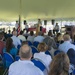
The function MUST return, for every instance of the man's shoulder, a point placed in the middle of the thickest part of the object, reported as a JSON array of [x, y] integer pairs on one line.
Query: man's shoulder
[[13, 37], [61, 45], [37, 70], [14, 63], [36, 37]]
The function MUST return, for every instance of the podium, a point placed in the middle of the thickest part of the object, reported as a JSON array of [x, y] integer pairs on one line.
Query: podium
[[37, 29]]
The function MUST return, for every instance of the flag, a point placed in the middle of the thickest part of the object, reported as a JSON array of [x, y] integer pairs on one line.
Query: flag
[[18, 29]]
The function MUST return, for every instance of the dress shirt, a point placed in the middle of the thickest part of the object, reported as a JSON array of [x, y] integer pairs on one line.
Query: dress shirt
[[46, 59], [24, 67], [30, 38], [39, 38], [16, 41], [21, 37], [66, 46]]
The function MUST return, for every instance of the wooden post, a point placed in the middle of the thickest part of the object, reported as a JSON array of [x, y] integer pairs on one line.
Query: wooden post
[[37, 29], [38, 26]]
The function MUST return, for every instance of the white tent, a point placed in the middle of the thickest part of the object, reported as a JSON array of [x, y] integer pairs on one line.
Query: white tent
[[34, 9]]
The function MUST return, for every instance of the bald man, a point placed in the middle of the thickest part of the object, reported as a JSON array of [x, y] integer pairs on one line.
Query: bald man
[[24, 66], [16, 40]]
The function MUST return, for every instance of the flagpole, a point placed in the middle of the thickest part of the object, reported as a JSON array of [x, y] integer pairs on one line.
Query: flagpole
[[19, 18]]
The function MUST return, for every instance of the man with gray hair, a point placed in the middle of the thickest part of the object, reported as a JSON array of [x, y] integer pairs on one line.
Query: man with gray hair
[[24, 66], [67, 44]]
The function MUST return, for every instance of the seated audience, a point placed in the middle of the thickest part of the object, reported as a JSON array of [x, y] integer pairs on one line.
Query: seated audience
[[2, 43], [50, 40], [21, 37], [51, 45], [5, 34], [46, 59], [71, 39], [31, 36], [66, 45], [16, 40], [10, 47], [59, 65], [39, 38], [24, 42], [9, 34], [24, 66], [60, 39], [71, 55], [50, 33]]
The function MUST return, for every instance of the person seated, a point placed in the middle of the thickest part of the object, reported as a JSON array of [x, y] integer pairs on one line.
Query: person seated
[[21, 37], [2, 43], [16, 40], [59, 65], [39, 37], [50, 39], [24, 66], [31, 37], [71, 55], [51, 44], [24, 42], [67, 44], [60, 38], [14, 29], [46, 59], [10, 47], [9, 34], [4, 34]]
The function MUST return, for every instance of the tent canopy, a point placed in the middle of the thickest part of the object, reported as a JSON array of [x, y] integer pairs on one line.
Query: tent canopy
[[34, 9]]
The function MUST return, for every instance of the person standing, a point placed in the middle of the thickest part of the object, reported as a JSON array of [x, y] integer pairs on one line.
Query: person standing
[[56, 28], [26, 28], [16, 26], [39, 26]]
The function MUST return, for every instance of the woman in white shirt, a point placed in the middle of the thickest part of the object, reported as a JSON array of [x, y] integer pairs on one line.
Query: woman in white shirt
[[46, 59]]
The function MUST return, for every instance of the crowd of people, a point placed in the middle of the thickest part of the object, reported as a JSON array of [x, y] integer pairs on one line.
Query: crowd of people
[[58, 64]]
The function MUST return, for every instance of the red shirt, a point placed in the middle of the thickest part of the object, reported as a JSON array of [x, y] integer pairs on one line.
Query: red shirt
[[2, 45]]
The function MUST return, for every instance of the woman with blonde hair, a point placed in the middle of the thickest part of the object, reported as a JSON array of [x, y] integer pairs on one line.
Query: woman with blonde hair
[[46, 59], [59, 65]]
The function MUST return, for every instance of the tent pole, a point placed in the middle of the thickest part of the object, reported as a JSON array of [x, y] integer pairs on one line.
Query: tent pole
[[20, 13]]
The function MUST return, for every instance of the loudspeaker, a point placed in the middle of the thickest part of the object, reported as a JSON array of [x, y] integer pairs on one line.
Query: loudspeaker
[[25, 22], [52, 21], [45, 22]]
